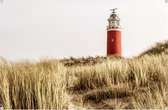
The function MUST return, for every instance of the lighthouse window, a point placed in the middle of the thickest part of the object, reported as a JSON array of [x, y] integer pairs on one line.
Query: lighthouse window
[[112, 40]]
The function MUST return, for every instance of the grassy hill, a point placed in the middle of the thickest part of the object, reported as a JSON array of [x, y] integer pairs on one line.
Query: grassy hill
[[100, 82]]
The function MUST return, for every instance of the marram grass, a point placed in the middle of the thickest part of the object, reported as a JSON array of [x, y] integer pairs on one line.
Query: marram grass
[[33, 85], [111, 82]]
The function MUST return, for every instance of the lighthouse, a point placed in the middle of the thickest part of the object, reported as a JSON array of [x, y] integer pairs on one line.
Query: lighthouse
[[114, 35]]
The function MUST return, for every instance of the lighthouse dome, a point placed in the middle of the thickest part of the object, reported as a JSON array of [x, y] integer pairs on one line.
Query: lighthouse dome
[[114, 21], [114, 17]]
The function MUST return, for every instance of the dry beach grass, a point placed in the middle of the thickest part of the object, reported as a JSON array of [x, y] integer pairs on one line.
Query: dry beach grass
[[33, 85], [101, 82]]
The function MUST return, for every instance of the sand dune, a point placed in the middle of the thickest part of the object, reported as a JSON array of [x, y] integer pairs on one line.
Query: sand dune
[[101, 82]]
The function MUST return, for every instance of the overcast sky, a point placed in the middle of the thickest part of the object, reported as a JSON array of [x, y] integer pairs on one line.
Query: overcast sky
[[33, 29]]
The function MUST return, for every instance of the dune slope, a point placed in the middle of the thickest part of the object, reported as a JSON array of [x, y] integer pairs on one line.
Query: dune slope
[[100, 82]]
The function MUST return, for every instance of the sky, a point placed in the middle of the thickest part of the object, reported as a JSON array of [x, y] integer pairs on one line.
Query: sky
[[35, 29]]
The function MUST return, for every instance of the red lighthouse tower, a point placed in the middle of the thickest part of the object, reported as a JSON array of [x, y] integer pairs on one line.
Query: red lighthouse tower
[[114, 35]]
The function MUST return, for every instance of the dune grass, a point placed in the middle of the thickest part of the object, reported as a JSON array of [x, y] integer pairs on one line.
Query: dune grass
[[142, 82], [33, 85], [101, 82]]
